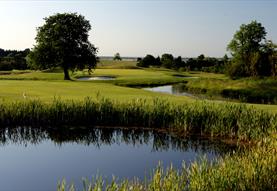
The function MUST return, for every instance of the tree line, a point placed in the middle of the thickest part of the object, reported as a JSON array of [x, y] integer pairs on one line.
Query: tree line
[[252, 56], [13, 59], [201, 63]]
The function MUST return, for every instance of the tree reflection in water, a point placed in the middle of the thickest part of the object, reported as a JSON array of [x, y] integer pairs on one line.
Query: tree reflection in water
[[108, 136]]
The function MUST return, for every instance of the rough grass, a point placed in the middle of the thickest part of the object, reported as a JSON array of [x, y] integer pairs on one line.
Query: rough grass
[[224, 120]]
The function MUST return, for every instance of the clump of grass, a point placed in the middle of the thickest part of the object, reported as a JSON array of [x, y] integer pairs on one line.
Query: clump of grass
[[254, 170], [221, 119]]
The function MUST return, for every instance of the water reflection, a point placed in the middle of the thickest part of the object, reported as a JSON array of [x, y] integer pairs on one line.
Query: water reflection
[[98, 137], [36, 158], [176, 89], [96, 78]]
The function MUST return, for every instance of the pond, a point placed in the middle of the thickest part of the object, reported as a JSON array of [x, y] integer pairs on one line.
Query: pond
[[175, 89], [96, 78], [37, 158]]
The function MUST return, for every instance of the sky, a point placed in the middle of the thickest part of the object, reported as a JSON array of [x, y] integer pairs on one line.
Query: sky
[[137, 27]]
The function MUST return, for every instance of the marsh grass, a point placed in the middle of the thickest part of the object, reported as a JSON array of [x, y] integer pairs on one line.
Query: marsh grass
[[214, 119], [253, 170]]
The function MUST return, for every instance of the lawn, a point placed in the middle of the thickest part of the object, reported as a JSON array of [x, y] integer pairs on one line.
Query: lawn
[[46, 85]]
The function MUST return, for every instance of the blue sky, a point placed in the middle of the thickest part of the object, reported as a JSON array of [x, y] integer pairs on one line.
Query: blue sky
[[137, 27]]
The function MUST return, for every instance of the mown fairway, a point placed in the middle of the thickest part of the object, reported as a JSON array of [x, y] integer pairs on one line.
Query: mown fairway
[[18, 85], [49, 84], [47, 90]]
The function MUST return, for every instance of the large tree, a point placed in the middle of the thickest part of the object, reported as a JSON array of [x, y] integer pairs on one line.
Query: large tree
[[246, 48], [63, 41]]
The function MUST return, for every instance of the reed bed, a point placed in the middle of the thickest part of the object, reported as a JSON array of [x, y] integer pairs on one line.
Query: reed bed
[[214, 119], [254, 170]]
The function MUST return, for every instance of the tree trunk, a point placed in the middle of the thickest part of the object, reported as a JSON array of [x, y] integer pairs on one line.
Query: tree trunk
[[66, 74]]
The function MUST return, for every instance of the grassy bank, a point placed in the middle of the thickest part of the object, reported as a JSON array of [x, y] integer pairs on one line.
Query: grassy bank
[[228, 120], [253, 170], [245, 90]]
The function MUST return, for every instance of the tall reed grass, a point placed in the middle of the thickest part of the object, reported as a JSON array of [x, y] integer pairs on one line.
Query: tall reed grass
[[254, 170], [215, 119]]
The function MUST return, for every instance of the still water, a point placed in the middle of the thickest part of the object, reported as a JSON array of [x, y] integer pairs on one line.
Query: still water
[[96, 78], [36, 158], [175, 89]]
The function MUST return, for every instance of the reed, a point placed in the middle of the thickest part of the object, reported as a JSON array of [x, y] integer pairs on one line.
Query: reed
[[214, 119]]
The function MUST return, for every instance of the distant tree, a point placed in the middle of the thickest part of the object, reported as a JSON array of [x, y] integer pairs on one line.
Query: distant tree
[[178, 63], [147, 61], [167, 60], [13, 59], [225, 58], [117, 56], [158, 61], [201, 57], [63, 41]]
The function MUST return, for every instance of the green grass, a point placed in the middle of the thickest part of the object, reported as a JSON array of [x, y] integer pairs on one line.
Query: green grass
[[11, 90], [45, 85]]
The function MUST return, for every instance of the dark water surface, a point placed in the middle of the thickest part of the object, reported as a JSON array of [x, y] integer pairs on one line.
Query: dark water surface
[[37, 158]]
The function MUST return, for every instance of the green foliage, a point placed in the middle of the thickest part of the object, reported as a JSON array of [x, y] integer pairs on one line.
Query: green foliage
[[13, 59], [247, 39], [252, 53], [147, 61], [206, 64], [167, 60], [63, 41], [117, 56]]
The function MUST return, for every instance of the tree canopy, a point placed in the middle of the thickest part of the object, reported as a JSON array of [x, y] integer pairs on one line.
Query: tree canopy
[[117, 56], [251, 51], [13, 59], [63, 41]]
